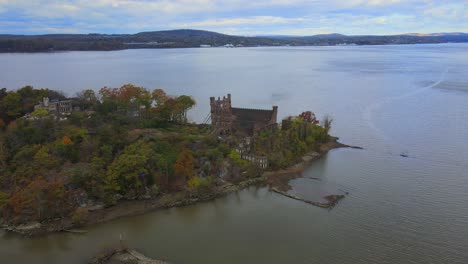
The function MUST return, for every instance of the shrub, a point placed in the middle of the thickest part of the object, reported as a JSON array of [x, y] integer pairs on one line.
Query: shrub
[[80, 215], [200, 185], [236, 158]]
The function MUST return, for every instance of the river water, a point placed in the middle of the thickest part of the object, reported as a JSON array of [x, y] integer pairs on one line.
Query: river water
[[390, 100]]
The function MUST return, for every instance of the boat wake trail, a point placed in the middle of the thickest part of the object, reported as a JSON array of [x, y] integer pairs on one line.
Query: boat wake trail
[[369, 110]]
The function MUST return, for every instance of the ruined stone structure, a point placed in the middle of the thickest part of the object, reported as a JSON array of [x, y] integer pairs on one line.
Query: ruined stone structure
[[226, 119], [56, 106], [245, 151]]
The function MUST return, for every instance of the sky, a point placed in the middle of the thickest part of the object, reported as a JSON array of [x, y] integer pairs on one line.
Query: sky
[[237, 17]]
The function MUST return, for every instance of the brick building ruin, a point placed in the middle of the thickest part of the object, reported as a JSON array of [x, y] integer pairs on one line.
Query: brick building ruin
[[226, 119]]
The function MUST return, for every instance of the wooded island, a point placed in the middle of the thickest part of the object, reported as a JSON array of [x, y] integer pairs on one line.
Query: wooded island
[[66, 162]]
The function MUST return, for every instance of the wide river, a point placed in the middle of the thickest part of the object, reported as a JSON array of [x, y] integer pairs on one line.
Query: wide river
[[390, 100]]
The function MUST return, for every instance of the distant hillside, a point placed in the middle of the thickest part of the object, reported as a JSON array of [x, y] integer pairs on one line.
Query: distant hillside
[[437, 34], [326, 36], [188, 38], [180, 34]]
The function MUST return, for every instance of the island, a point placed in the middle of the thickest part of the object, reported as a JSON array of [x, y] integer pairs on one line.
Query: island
[[66, 163]]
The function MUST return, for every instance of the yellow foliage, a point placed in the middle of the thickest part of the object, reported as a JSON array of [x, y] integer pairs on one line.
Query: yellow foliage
[[41, 154], [194, 183]]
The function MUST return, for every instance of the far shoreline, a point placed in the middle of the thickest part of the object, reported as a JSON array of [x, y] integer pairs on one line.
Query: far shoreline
[[221, 47]]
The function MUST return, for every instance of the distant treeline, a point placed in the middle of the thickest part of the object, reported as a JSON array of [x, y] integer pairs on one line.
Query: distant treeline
[[194, 38]]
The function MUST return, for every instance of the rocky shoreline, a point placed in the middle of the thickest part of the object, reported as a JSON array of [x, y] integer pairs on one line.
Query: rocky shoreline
[[128, 208], [279, 179], [123, 256], [276, 180]]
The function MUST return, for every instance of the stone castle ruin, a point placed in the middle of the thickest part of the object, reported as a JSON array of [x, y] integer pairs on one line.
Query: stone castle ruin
[[226, 119]]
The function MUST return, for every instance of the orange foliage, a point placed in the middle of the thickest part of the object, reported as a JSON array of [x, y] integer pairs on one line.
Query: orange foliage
[[125, 94], [66, 140], [159, 96], [40, 200], [23, 201], [184, 165]]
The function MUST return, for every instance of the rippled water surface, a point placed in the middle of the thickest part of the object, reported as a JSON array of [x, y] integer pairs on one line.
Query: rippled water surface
[[390, 100]]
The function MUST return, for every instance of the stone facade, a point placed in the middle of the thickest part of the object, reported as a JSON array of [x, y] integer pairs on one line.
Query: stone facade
[[245, 151], [260, 161], [226, 119], [56, 106]]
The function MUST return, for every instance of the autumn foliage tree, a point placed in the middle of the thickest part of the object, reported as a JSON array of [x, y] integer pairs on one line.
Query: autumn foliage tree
[[41, 199], [184, 166], [127, 98], [127, 140], [130, 170], [87, 99], [297, 136]]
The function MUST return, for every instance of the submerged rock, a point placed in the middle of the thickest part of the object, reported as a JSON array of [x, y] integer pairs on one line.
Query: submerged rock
[[29, 226], [331, 200], [124, 256], [25, 229]]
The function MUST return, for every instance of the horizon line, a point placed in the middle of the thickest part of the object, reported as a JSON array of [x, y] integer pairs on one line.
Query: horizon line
[[242, 35]]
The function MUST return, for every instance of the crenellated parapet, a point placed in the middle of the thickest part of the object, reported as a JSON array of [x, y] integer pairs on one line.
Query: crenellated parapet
[[221, 115]]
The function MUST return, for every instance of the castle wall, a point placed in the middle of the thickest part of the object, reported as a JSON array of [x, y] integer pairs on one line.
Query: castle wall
[[227, 119]]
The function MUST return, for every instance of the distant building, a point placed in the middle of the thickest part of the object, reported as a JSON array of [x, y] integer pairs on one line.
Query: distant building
[[229, 45], [205, 46], [56, 106], [226, 119]]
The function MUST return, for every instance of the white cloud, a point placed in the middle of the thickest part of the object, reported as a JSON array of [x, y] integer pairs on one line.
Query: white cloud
[[450, 11], [256, 20], [392, 19], [301, 17]]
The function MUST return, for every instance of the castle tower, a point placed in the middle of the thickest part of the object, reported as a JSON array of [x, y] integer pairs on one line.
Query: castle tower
[[221, 116], [274, 115]]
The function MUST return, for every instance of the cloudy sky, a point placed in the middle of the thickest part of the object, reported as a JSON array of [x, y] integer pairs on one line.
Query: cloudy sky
[[240, 17]]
